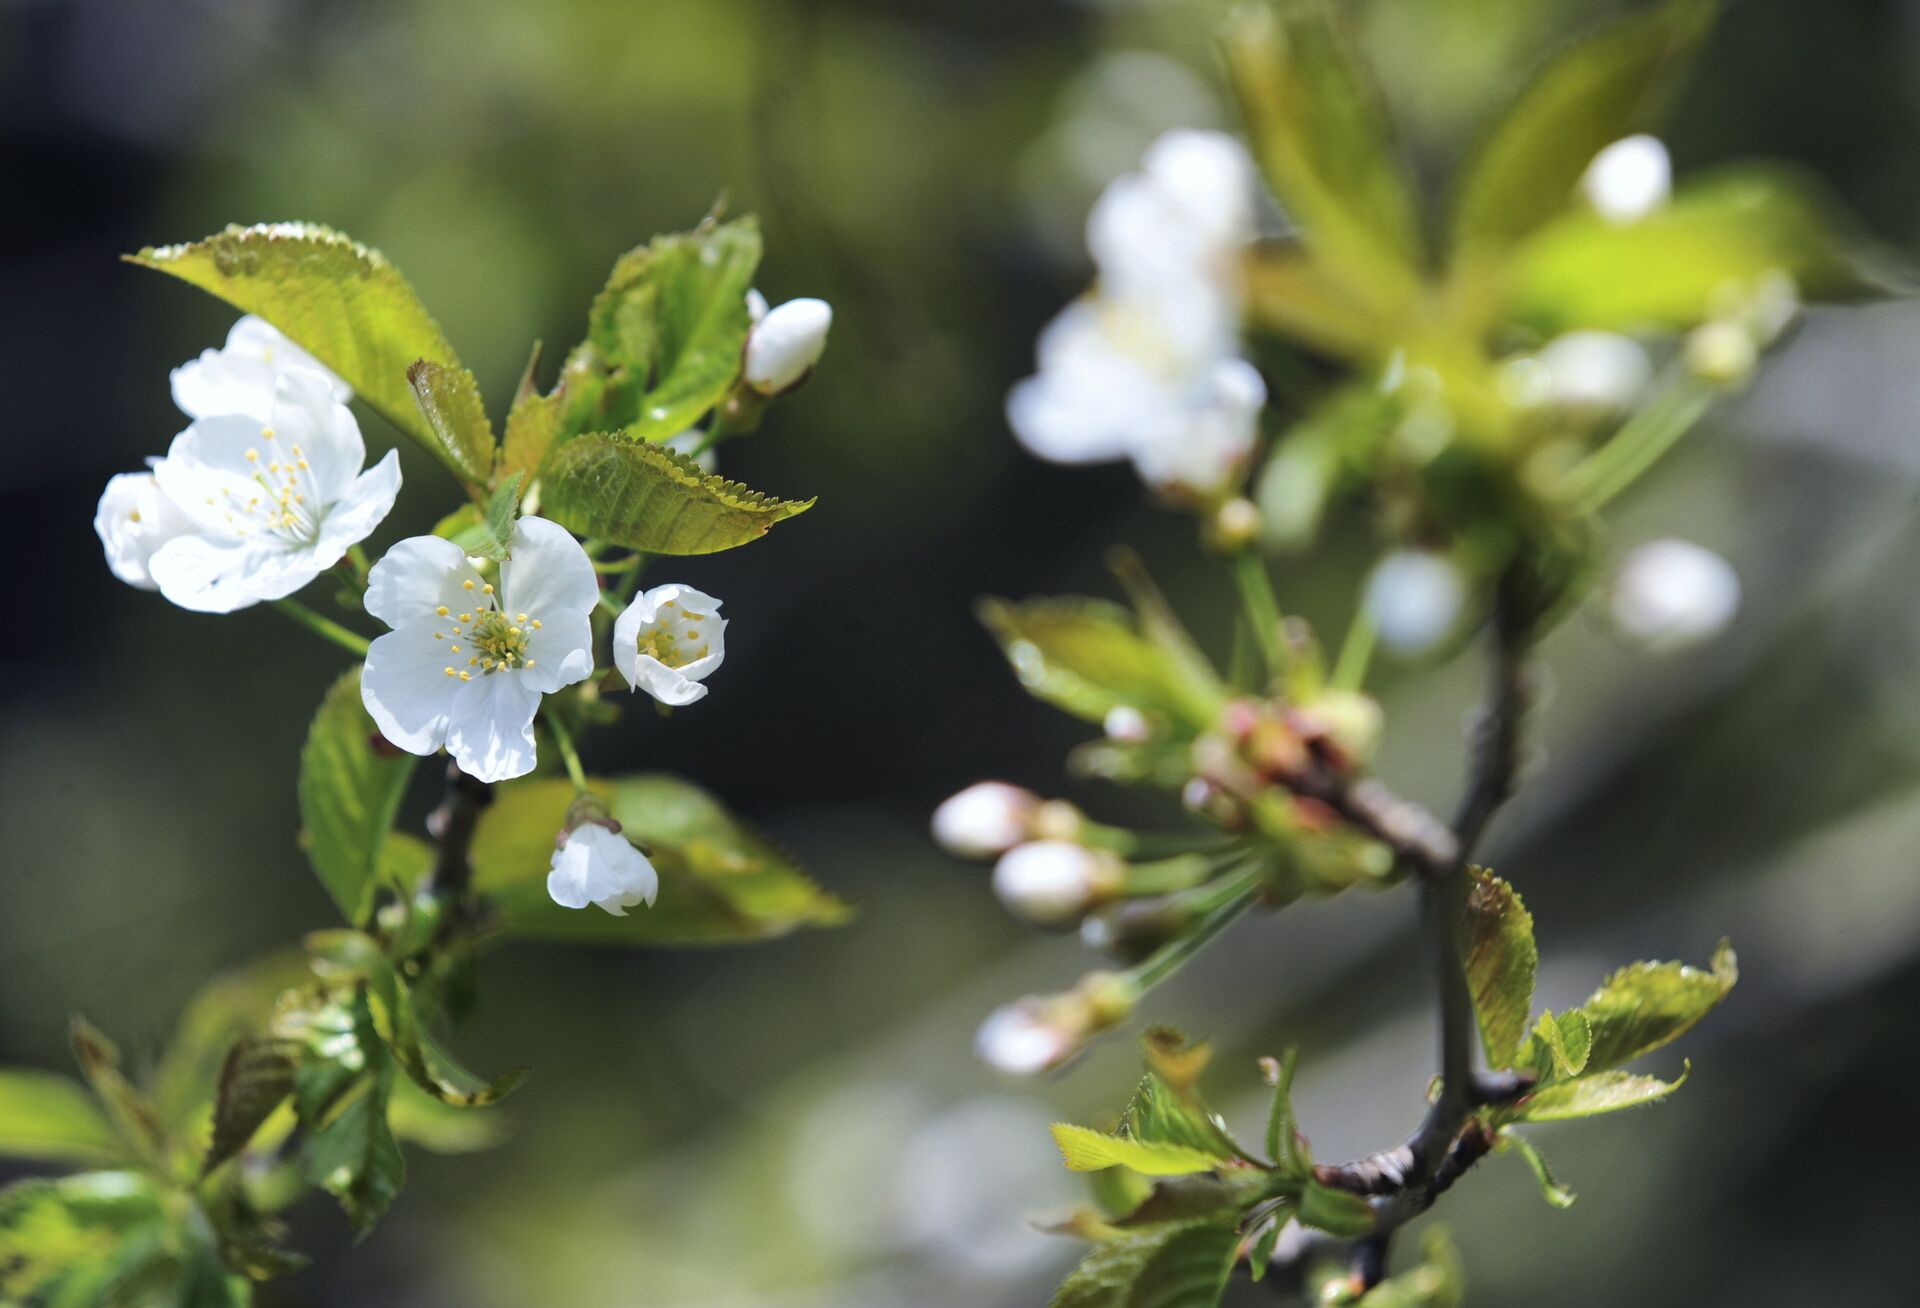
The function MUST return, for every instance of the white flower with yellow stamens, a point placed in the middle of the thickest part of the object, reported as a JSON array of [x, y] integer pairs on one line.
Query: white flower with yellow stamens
[[668, 641], [240, 377], [271, 504], [467, 662], [133, 521]]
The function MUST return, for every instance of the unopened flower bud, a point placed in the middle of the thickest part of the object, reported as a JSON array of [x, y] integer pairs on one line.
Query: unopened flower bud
[[1629, 179], [1235, 525], [1126, 724], [1722, 353], [1414, 598], [1670, 594], [1601, 371], [1042, 1032], [985, 820], [1054, 883], [784, 345], [594, 864]]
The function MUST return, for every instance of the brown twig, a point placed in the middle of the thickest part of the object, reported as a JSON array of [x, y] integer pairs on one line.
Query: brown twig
[[452, 825]]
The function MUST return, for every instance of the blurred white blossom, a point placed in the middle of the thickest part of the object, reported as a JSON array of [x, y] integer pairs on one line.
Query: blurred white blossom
[[239, 377], [984, 820], [1592, 370], [1414, 598], [1053, 882], [1669, 594], [1629, 179]]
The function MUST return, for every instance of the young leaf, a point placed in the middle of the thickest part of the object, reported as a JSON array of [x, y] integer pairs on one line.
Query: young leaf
[[97, 1238], [1163, 1114], [1559, 1046], [1590, 1096], [502, 507], [1642, 1007], [130, 1111], [1089, 657], [1728, 227], [449, 399], [396, 1016], [337, 299], [1556, 1194], [1337, 1212], [719, 881], [416, 1117], [1089, 1151], [348, 797], [49, 1118], [1284, 1145], [1322, 139], [536, 422], [230, 1006], [644, 496], [255, 1079], [1162, 1267], [1593, 93], [1498, 949], [1260, 1252], [673, 318], [353, 1155]]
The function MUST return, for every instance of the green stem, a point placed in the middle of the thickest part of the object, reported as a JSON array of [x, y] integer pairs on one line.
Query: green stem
[[563, 740], [1262, 608], [1639, 443], [1356, 652], [326, 628], [1223, 905]]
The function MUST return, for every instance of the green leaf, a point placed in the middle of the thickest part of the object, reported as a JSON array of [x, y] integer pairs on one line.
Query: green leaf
[[536, 422], [49, 1118], [1088, 1151], [673, 319], [1337, 1212], [338, 1045], [502, 507], [348, 797], [1727, 228], [340, 301], [416, 1117], [1260, 1253], [647, 497], [255, 1079], [719, 881], [449, 399], [1291, 293], [130, 1111], [1218, 1196], [1090, 657], [1559, 1046], [1556, 1194], [1320, 135], [396, 1016], [1165, 1267], [1593, 93], [1284, 1143], [1162, 1114], [1433, 1283], [1642, 1007], [78, 1241], [353, 1155], [232, 1005], [1498, 949], [1590, 1096]]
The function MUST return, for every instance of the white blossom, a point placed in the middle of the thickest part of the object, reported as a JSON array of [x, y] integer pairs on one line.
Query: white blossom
[[985, 820], [595, 864], [1669, 594], [240, 376], [1053, 882], [467, 662], [1126, 724], [1594, 370], [271, 503], [1629, 179], [1019, 1039], [1414, 598], [785, 343], [669, 640], [133, 521], [1147, 366]]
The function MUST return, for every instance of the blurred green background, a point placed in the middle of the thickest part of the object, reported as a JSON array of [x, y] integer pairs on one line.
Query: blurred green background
[[803, 1123]]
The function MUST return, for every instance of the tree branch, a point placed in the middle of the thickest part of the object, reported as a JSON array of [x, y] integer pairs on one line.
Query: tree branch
[[452, 825]]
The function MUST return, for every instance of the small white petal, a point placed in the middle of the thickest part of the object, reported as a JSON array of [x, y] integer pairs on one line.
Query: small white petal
[[756, 304], [490, 726], [1670, 594], [417, 576], [134, 519], [240, 377], [547, 572], [784, 345], [598, 866], [367, 501], [1211, 177], [214, 575], [984, 820], [1415, 599], [1629, 179]]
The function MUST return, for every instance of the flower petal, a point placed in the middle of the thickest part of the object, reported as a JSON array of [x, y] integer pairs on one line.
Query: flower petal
[[213, 575], [406, 688], [561, 650], [309, 424], [365, 505], [548, 572], [668, 685], [490, 726], [416, 577]]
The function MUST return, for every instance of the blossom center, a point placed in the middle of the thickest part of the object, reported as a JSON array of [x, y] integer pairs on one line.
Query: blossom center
[[485, 638], [675, 648], [274, 498]]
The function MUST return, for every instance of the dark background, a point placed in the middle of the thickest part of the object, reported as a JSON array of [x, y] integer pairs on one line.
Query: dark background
[[802, 1123]]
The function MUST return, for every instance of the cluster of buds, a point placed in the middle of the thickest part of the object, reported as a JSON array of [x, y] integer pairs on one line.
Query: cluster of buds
[[1046, 873]]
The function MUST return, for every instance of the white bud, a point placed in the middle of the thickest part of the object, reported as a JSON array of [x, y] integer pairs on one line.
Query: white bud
[[786, 343], [1020, 1040], [1629, 179], [1414, 598], [1126, 724], [1052, 882], [1722, 353], [1670, 594], [985, 820], [1594, 370]]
